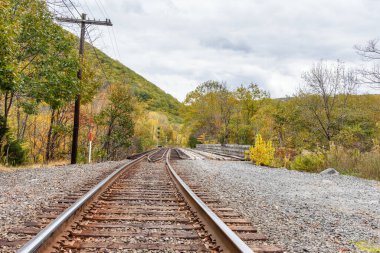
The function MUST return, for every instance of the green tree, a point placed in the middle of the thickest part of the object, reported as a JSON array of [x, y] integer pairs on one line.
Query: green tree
[[223, 115], [55, 82], [327, 89], [8, 49], [116, 118], [38, 62], [249, 100], [192, 142], [209, 110]]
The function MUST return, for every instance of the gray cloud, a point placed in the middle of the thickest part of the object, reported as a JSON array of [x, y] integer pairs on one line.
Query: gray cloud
[[226, 44], [132, 6], [178, 44]]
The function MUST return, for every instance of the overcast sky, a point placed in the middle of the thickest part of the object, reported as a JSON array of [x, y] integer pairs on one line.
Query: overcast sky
[[178, 44]]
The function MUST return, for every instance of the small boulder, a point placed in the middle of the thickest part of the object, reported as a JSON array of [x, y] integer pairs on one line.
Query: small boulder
[[329, 171]]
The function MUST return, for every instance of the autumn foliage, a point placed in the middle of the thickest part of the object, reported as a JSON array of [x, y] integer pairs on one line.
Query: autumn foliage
[[38, 85], [262, 153], [301, 128]]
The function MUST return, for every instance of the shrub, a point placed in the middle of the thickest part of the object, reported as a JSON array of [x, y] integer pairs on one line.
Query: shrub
[[284, 156], [342, 159], [262, 153], [355, 137], [310, 162], [353, 162], [192, 142], [369, 166], [14, 153]]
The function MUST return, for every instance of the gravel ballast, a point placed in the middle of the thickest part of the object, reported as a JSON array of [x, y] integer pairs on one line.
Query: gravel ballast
[[24, 191], [300, 212]]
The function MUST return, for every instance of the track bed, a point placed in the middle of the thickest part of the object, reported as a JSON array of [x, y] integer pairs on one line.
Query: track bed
[[144, 207]]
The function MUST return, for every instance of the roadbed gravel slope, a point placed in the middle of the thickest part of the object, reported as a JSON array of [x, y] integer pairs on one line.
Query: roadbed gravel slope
[[24, 191], [301, 212]]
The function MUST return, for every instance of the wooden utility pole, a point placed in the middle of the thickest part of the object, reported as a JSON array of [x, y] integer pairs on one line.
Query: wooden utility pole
[[83, 22]]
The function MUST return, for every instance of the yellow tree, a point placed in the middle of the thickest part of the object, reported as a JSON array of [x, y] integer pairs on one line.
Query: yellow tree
[[262, 153]]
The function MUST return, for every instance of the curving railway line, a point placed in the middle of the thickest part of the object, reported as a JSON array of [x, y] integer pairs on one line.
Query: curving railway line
[[145, 206], [158, 155]]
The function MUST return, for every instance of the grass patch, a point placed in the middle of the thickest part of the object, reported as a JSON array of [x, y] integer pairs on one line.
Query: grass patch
[[367, 247], [34, 166], [355, 163]]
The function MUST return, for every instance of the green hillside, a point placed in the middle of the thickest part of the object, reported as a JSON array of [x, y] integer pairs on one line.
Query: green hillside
[[155, 99]]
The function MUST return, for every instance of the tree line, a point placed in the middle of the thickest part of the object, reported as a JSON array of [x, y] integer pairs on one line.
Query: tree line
[[38, 84], [325, 124]]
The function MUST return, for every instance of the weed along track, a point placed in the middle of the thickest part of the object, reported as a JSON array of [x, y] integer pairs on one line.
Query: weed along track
[[146, 207]]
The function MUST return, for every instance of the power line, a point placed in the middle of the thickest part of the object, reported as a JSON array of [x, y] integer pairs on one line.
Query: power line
[[68, 8], [112, 43], [117, 46], [97, 56], [96, 27], [74, 7], [113, 32], [88, 8], [100, 1], [100, 6], [112, 38], [89, 36]]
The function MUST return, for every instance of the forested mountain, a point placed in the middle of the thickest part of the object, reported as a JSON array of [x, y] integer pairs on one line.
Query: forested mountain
[[38, 86], [155, 98]]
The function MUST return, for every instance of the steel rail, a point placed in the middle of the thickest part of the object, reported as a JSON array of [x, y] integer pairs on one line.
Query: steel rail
[[152, 154], [179, 154], [157, 159], [224, 236], [230, 156], [44, 235], [225, 155], [195, 154], [141, 154], [215, 154]]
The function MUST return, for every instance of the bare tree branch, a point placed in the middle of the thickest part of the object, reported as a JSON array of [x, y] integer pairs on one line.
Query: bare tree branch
[[370, 52], [328, 88]]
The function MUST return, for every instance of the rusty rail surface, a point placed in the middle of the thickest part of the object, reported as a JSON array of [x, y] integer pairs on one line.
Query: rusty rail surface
[[48, 232], [147, 206], [138, 155], [158, 155], [177, 154], [224, 236]]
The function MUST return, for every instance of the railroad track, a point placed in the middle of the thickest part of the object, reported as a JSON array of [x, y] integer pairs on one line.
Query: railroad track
[[138, 155], [177, 154], [146, 207], [157, 155], [209, 155]]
